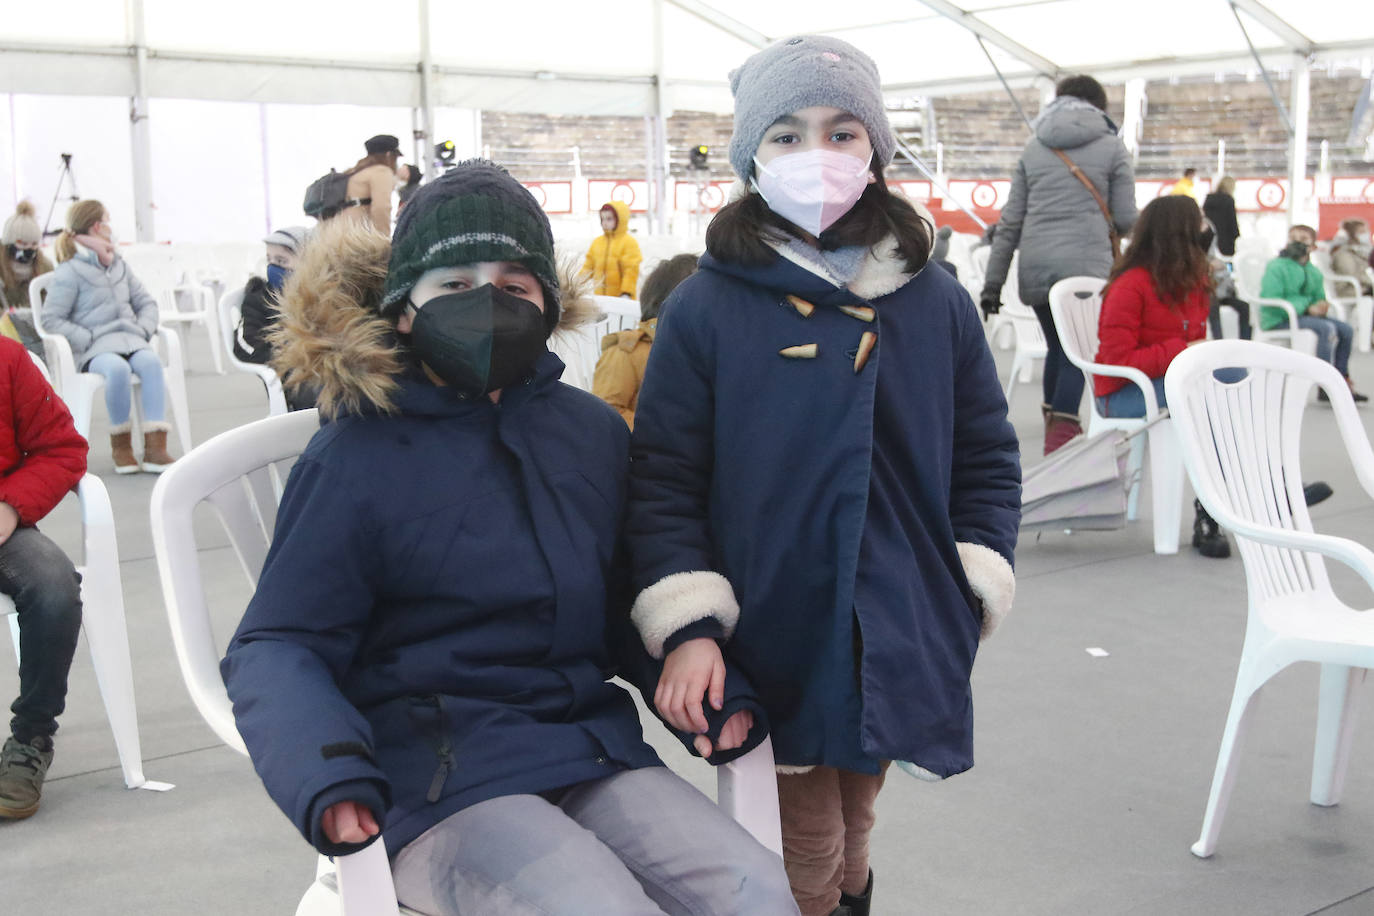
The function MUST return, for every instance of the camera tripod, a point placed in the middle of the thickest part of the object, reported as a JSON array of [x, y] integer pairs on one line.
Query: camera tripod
[[64, 174]]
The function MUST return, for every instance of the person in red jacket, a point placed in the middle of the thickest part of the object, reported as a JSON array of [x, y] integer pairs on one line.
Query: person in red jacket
[[1155, 305], [41, 458]]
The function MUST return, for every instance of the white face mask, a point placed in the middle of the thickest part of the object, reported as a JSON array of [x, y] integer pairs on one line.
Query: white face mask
[[813, 189]]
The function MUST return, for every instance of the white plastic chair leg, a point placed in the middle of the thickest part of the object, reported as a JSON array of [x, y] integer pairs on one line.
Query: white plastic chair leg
[[174, 378], [1337, 705], [1364, 322], [747, 790], [1135, 466], [79, 394], [14, 634], [1166, 484], [1243, 703], [106, 630]]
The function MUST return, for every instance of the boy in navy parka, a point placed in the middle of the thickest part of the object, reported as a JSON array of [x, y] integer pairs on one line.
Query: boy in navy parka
[[427, 650]]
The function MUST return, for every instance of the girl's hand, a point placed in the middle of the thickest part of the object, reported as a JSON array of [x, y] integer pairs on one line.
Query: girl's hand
[[732, 734], [348, 822], [689, 672]]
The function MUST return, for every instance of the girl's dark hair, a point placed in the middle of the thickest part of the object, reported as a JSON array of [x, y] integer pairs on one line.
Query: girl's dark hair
[[1165, 242], [741, 230], [664, 279], [1082, 86]]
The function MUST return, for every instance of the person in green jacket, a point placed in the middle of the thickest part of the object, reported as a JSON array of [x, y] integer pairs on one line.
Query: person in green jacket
[[1294, 278]]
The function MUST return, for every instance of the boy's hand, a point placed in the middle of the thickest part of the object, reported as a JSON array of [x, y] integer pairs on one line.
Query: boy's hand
[[9, 520], [690, 671], [348, 822]]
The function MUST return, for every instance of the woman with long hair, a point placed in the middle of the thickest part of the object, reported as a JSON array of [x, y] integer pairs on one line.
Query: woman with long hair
[[1156, 305], [109, 318]]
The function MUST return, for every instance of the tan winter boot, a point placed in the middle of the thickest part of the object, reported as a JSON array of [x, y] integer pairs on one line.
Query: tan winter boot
[[155, 456], [122, 447]]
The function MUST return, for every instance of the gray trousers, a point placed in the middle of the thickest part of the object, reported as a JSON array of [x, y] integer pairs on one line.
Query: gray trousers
[[639, 842]]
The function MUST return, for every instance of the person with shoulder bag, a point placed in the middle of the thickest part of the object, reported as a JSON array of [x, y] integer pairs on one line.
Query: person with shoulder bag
[[1072, 198]]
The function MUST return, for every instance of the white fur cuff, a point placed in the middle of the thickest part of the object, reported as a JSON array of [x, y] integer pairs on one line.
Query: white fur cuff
[[682, 598], [157, 426], [992, 580]]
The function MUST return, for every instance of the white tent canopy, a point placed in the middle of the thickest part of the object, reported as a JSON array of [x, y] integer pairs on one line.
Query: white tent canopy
[[607, 58], [313, 75]]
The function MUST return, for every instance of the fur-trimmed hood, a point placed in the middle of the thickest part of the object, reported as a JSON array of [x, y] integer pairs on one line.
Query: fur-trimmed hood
[[330, 335]]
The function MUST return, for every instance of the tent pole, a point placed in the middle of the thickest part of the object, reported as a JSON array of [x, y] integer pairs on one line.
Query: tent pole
[[1300, 105], [144, 230], [426, 141], [266, 170], [658, 140]]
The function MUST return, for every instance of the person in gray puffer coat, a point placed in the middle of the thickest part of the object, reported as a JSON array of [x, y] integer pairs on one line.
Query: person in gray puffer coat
[[108, 317], [1059, 228]]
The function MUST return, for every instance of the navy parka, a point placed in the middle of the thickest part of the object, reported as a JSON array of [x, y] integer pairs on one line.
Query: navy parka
[[865, 519], [430, 626]]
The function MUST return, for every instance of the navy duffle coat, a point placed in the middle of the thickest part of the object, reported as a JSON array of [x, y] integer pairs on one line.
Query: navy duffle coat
[[865, 518], [430, 626]]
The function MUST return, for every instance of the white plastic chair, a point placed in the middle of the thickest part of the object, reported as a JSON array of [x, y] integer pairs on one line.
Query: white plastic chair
[[623, 313], [1011, 296], [1030, 344], [1241, 445], [1076, 303], [240, 473], [79, 389], [1249, 276], [230, 314], [102, 619]]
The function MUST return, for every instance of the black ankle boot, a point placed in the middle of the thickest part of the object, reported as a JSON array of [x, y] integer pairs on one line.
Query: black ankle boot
[[858, 904], [1207, 536]]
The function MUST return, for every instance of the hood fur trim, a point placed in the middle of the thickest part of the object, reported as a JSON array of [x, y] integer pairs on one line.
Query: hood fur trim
[[883, 270], [330, 335], [577, 306]]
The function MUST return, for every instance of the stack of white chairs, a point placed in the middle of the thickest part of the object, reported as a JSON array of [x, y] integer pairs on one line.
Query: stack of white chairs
[[1241, 443], [241, 473], [79, 389], [159, 269], [102, 620], [1076, 303]]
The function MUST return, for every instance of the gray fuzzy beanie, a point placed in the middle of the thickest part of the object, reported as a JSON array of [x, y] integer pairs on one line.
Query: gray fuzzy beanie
[[796, 73]]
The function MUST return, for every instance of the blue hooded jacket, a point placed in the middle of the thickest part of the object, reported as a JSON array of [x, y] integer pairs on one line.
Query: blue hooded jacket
[[850, 529]]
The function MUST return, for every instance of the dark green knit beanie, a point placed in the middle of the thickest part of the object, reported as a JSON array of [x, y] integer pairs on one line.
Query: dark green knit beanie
[[472, 213]]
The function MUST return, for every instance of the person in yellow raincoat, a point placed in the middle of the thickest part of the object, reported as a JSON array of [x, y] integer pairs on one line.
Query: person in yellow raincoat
[[613, 260]]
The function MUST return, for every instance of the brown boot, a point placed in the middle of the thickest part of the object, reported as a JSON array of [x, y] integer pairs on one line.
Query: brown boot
[[1059, 429], [155, 456], [122, 447]]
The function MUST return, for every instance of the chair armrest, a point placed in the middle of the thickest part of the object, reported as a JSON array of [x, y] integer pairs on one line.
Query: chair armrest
[[747, 789], [61, 363], [1130, 374], [1358, 557], [171, 343], [100, 548], [365, 884], [1257, 301], [1333, 280]]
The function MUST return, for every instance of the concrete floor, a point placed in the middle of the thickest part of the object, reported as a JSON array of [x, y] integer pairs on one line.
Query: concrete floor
[[1090, 785]]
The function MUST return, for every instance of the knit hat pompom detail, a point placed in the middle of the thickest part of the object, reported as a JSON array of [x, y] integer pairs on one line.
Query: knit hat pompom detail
[[473, 213], [22, 226], [803, 72]]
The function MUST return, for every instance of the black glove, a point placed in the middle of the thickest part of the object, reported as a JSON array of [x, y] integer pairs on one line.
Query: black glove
[[990, 303]]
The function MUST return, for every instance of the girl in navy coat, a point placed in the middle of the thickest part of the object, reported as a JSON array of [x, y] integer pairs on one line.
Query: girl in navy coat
[[427, 649], [825, 490]]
